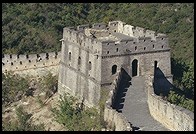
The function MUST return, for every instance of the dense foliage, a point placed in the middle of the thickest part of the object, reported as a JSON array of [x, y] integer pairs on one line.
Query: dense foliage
[[37, 27], [12, 85], [74, 117], [23, 122], [181, 100]]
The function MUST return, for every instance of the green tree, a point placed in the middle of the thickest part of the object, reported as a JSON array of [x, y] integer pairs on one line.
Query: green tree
[[74, 117], [180, 100], [12, 84], [188, 80]]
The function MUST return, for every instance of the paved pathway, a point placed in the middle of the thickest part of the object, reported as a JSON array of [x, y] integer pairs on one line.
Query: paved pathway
[[135, 107]]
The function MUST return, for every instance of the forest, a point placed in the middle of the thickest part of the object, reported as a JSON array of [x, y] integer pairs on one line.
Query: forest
[[37, 27]]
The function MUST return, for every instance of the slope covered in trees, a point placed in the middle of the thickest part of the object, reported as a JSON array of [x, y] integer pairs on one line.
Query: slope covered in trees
[[36, 27]]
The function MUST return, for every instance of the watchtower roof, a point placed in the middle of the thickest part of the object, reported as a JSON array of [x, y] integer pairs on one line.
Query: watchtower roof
[[121, 36], [106, 35]]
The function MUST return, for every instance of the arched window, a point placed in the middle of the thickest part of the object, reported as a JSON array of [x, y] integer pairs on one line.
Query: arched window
[[134, 68], [79, 60], [69, 56], [47, 56], [89, 65], [114, 68]]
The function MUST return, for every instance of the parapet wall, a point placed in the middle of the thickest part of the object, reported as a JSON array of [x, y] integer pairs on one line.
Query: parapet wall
[[33, 64], [111, 116], [171, 116], [143, 40], [87, 43], [134, 31]]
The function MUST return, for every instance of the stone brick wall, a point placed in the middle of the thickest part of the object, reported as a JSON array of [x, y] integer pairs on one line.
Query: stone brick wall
[[33, 64], [111, 116], [146, 46], [171, 116], [80, 67], [145, 64]]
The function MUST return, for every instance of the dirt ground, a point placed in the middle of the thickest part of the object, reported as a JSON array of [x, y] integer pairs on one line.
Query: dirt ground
[[40, 114]]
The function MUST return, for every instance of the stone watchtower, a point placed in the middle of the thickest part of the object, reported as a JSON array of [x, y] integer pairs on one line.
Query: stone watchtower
[[91, 55]]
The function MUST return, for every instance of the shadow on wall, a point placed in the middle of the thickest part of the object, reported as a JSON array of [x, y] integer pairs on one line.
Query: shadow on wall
[[161, 84], [122, 90]]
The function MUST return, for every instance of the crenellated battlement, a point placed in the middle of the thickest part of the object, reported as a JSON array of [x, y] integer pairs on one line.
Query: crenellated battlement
[[133, 31], [82, 39], [32, 61], [116, 38]]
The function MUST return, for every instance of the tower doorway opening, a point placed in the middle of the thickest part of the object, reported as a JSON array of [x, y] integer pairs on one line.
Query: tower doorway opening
[[134, 68], [155, 65], [114, 68]]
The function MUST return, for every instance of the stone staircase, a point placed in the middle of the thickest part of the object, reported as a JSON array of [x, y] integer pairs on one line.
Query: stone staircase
[[135, 108]]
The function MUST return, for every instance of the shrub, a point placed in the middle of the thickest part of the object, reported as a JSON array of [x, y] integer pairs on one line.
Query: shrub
[[74, 118]]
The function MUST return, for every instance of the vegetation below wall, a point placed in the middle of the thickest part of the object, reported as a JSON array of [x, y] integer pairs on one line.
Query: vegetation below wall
[[27, 103], [22, 123], [69, 112], [14, 87], [74, 117]]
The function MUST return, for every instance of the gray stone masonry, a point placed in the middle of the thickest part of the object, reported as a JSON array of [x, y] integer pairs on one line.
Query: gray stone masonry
[[91, 55]]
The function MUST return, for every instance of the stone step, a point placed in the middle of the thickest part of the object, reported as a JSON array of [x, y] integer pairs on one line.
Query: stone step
[[135, 107]]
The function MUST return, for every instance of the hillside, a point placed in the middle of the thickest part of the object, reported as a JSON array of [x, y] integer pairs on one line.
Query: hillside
[[35, 28]]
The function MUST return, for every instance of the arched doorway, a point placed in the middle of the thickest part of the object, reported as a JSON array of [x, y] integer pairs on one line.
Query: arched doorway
[[134, 67], [114, 68]]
